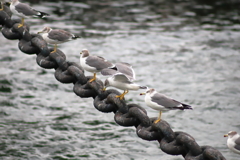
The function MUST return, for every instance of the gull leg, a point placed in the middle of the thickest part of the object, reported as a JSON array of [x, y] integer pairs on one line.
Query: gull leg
[[94, 77], [159, 117], [104, 89], [1, 6], [55, 48], [122, 95], [21, 24]]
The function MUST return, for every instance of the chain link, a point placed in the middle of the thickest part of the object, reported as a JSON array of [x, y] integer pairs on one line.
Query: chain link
[[173, 143]]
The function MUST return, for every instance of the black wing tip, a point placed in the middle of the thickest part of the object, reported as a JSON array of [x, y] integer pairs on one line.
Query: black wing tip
[[185, 106], [43, 14], [76, 37]]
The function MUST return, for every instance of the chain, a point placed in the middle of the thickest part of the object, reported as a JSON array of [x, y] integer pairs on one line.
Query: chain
[[173, 143]]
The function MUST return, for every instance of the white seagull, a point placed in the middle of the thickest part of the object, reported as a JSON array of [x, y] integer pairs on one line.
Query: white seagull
[[122, 77], [56, 36], [161, 102], [24, 11], [121, 81], [92, 63], [233, 141]]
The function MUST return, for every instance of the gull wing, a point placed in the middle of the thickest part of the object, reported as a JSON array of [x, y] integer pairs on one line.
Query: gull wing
[[59, 35], [162, 100], [121, 78], [98, 62], [126, 69], [25, 9], [108, 71], [237, 146]]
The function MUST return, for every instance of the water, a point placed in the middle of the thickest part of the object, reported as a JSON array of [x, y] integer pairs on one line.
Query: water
[[186, 50]]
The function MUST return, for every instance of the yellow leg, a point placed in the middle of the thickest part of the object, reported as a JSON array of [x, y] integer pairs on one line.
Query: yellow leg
[[21, 24], [104, 89], [159, 117], [1, 6], [94, 77], [122, 95], [55, 49]]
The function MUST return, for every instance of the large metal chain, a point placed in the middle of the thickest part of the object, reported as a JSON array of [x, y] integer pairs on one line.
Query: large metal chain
[[173, 143]]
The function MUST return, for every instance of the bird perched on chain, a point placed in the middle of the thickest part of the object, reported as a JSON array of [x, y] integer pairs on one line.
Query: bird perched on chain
[[24, 11], [122, 77], [56, 36], [161, 102], [93, 63], [233, 141]]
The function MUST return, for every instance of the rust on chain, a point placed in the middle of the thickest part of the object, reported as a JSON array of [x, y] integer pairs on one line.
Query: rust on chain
[[173, 143]]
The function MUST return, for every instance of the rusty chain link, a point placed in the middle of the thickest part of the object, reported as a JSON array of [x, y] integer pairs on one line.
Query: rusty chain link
[[173, 143]]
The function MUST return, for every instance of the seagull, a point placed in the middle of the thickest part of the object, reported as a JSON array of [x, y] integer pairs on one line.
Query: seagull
[[24, 11], [92, 63], [161, 102], [121, 81], [122, 77], [56, 36], [233, 141]]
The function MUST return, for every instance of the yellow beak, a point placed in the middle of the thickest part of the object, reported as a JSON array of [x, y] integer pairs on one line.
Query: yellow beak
[[142, 94], [225, 135]]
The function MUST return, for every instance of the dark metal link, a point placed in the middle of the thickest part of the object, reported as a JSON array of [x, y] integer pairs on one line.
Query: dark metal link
[[210, 153], [26, 47], [39, 43], [136, 115], [83, 90], [101, 103], [5, 17], [148, 133], [174, 143], [10, 34]]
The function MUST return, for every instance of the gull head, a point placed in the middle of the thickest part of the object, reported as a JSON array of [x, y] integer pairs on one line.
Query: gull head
[[45, 30], [14, 1], [106, 83], [84, 53], [149, 91], [230, 134]]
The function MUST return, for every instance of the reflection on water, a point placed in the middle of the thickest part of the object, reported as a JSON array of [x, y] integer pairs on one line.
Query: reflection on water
[[193, 46]]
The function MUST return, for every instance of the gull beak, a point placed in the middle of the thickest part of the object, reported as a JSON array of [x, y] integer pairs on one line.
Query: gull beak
[[104, 89], [80, 52], [142, 94], [225, 135], [39, 32]]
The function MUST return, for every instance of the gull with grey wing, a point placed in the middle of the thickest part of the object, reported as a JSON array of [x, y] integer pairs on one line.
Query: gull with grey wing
[[56, 36], [93, 63], [122, 77], [233, 141], [161, 102], [24, 11]]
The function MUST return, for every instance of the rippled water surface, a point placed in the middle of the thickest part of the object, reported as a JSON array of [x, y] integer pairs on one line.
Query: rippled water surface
[[186, 50]]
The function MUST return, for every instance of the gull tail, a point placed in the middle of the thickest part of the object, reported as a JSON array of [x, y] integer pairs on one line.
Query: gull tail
[[42, 14], [75, 36], [183, 106]]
